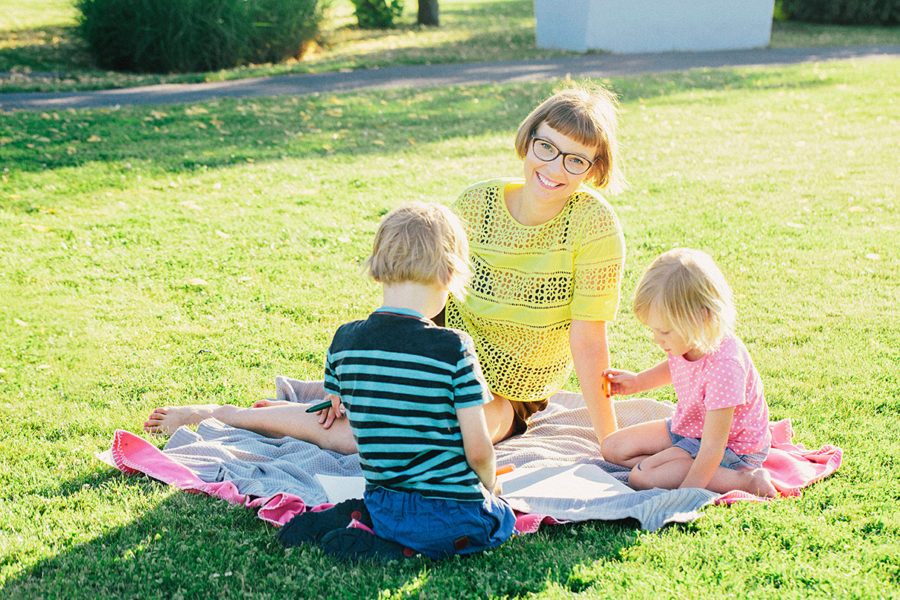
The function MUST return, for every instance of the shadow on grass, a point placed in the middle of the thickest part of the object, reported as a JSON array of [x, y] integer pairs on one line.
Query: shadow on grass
[[191, 546], [344, 127], [469, 32], [57, 49], [504, 40]]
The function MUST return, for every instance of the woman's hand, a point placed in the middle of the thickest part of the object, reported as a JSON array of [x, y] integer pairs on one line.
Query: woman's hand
[[328, 415], [621, 383]]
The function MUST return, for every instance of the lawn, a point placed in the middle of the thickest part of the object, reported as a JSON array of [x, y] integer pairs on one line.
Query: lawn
[[39, 50], [192, 253]]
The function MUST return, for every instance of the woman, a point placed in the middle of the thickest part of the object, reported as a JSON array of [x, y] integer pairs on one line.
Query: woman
[[547, 255]]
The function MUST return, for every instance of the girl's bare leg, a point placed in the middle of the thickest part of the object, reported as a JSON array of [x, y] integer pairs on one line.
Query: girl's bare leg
[[631, 445], [669, 468], [757, 482], [666, 470], [272, 421]]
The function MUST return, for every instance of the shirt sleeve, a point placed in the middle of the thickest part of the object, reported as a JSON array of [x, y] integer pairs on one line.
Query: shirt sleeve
[[599, 262], [726, 383], [469, 386], [332, 386]]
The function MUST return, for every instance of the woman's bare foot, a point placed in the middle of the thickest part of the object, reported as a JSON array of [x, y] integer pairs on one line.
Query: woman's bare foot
[[165, 420]]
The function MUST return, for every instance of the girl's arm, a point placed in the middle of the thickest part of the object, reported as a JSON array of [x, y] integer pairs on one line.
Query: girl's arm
[[477, 445], [587, 340], [625, 383], [713, 440]]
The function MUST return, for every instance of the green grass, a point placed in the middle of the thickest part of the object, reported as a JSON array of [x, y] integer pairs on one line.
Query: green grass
[[40, 52], [787, 176]]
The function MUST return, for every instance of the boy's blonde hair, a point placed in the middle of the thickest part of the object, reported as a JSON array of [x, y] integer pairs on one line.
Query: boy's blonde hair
[[424, 243], [686, 288], [586, 113]]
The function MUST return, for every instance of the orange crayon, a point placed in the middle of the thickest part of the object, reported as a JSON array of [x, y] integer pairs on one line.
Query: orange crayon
[[505, 469]]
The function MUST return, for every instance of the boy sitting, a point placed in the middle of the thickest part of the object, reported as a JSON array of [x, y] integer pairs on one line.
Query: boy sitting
[[413, 393]]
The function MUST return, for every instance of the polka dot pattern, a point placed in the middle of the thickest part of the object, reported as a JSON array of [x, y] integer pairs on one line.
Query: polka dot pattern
[[723, 378]]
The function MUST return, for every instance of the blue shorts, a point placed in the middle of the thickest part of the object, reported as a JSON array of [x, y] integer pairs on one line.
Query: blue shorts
[[436, 527], [738, 462]]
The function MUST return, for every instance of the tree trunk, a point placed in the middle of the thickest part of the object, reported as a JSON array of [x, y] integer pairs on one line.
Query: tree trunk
[[428, 13]]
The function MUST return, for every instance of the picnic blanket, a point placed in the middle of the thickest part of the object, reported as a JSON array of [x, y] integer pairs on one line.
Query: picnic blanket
[[277, 477]]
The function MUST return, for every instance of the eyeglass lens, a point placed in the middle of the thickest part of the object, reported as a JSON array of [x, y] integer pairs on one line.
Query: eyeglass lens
[[573, 163]]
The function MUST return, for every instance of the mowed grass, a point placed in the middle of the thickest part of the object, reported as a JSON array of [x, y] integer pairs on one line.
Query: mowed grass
[[192, 253], [40, 51]]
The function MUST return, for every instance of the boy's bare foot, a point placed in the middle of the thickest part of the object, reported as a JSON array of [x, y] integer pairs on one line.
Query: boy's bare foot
[[761, 484], [165, 420]]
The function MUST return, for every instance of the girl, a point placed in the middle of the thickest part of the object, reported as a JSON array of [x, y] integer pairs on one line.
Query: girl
[[719, 435]]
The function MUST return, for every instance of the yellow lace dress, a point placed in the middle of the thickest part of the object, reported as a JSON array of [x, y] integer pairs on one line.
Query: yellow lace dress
[[529, 282]]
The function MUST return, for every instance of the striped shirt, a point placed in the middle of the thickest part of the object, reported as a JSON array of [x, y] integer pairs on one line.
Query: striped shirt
[[401, 379]]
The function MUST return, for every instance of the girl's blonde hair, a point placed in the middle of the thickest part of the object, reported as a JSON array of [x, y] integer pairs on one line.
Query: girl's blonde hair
[[586, 113], [421, 242], [686, 288]]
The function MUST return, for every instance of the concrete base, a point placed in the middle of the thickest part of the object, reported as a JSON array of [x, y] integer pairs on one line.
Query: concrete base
[[629, 26]]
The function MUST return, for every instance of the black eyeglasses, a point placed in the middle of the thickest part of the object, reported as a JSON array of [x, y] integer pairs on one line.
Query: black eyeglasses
[[575, 164]]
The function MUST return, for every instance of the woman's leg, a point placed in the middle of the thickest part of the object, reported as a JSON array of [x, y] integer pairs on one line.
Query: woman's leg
[[631, 445], [272, 421], [499, 416]]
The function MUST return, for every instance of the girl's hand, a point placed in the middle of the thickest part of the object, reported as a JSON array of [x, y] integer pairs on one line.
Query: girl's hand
[[328, 415], [621, 383]]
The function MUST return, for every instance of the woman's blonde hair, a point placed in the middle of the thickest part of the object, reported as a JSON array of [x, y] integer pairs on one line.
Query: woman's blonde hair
[[587, 114], [421, 242], [686, 288]]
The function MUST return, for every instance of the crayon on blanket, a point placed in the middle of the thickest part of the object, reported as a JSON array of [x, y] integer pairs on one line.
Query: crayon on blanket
[[505, 469]]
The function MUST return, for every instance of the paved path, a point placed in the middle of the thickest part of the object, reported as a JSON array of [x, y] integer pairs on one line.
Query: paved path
[[590, 65]]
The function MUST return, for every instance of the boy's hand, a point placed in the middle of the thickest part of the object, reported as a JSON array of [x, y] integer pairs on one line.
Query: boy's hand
[[621, 383], [327, 416]]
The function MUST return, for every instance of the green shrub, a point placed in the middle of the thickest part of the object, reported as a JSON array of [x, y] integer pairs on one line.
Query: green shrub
[[844, 12], [165, 36], [377, 14]]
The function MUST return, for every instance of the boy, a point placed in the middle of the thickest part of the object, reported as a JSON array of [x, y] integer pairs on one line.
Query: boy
[[413, 393]]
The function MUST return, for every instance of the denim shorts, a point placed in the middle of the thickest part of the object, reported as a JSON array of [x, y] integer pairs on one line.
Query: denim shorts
[[436, 527], [738, 462]]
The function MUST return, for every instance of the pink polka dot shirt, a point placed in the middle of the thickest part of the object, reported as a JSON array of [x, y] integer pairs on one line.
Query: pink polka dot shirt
[[723, 378]]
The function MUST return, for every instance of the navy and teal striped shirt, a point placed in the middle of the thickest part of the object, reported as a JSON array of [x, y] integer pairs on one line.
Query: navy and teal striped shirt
[[401, 379]]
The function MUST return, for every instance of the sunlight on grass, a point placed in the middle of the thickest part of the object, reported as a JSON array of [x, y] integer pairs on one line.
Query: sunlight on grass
[[108, 218], [32, 14]]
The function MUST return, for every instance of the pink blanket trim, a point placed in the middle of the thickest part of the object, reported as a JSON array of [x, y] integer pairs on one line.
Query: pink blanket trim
[[792, 467]]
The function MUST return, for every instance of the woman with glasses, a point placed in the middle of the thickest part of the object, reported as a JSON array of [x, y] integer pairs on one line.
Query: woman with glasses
[[547, 255]]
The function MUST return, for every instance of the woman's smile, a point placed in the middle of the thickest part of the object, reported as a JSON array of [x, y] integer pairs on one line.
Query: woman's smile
[[548, 180]]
